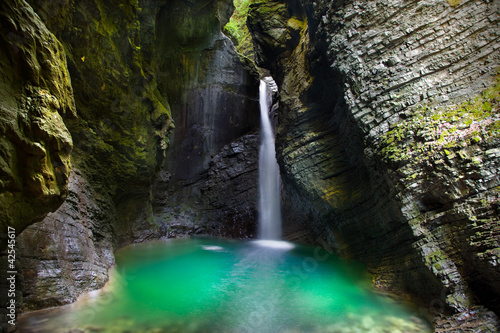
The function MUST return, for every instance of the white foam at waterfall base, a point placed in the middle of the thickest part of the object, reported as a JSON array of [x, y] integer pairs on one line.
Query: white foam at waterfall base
[[274, 244], [269, 177]]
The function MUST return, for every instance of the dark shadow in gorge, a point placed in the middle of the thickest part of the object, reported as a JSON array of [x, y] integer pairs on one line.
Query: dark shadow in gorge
[[214, 102]]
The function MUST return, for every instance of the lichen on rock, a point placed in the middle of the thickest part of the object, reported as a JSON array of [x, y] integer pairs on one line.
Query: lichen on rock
[[446, 163], [121, 134]]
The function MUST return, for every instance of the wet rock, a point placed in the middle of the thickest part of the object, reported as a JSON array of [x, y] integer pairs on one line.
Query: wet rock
[[231, 189], [69, 252], [354, 73], [124, 60], [224, 202], [120, 138], [214, 102], [474, 320], [121, 134]]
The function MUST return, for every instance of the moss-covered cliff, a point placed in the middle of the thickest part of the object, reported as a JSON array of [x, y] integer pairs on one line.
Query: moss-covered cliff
[[121, 133], [36, 104], [132, 68], [237, 29], [387, 139], [97, 59], [387, 150]]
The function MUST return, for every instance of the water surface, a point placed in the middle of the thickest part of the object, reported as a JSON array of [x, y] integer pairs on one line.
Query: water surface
[[210, 285]]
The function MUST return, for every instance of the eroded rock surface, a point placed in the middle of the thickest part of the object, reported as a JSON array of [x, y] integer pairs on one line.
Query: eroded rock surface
[[121, 133], [420, 209], [125, 59], [224, 202], [214, 101], [69, 252], [36, 101]]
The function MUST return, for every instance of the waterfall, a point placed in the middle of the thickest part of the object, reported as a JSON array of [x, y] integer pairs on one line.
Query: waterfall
[[269, 177]]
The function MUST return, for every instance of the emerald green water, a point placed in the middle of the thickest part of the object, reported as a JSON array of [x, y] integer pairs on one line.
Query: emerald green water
[[212, 285]]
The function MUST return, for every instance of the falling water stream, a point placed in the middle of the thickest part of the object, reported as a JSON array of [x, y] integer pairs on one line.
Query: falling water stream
[[209, 285], [269, 177]]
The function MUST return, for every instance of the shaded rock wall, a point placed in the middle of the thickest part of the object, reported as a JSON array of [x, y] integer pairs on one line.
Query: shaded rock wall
[[224, 202], [125, 59], [120, 135], [35, 104], [230, 191], [36, 101], [347, 72], [70, 251], [213, 99]]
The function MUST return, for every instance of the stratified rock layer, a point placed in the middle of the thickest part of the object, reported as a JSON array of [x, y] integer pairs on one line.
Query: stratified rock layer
[[230, 191], [214, 102], [69, 252], [375, 161]]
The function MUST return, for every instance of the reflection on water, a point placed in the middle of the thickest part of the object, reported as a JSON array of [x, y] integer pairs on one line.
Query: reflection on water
[[210, 285]]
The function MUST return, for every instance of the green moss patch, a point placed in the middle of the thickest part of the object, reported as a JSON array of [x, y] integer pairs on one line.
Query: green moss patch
[[237, 29], [443, 131]]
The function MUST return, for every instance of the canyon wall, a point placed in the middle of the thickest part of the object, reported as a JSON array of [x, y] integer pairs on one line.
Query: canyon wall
[[36, 104], [214, 101], [35, 144], [388, 142], [101, 83], [120, 136]]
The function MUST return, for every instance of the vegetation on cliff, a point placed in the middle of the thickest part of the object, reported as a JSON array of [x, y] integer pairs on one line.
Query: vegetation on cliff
[[429, 185], [445, 161], [237, 29], [445, 132], [120, 136]]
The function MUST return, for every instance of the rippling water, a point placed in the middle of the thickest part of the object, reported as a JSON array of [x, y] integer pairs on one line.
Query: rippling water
[[211, 285]]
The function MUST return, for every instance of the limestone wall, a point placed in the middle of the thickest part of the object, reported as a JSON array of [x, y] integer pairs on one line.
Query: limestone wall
[[386, 144]]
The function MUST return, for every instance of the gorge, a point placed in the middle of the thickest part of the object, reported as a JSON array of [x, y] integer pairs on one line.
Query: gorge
[[130, 121]]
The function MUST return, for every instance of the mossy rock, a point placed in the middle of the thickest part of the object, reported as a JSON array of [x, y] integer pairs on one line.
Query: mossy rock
[[37, 102]]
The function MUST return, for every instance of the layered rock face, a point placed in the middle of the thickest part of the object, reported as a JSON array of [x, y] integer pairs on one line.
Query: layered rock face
[[214, 102], [70, 251], [378, 152], [222, 203]]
